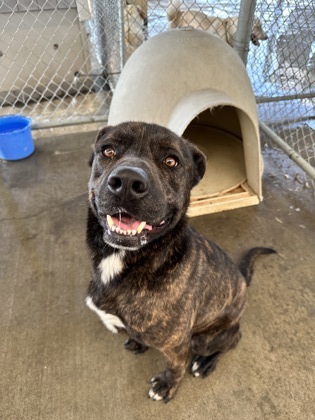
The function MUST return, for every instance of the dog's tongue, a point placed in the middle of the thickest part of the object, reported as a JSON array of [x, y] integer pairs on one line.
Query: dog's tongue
[[129, 223]]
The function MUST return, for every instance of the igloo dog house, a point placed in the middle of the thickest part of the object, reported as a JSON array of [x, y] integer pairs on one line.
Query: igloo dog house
[[197, 86]]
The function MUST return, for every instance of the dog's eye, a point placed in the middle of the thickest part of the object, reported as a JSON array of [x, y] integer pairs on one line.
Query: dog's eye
[[108, 151], [171, 161]]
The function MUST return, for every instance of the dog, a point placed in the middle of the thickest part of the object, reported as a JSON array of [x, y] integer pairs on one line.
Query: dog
[[135, 23], [223, 28], [153, 276]]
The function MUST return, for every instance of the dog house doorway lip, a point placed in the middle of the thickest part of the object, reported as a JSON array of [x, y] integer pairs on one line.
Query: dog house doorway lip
[[225, 157], [219, 141], [192, 105], [184, 118]]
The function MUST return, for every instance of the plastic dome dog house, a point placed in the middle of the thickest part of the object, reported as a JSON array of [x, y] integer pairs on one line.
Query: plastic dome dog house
[[196, 85]]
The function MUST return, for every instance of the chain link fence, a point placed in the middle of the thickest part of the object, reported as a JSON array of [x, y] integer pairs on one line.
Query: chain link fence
[[52, 61], [284, 82], [60, 59]]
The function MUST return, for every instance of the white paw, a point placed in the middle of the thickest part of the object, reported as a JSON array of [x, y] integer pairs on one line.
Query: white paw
[[110, 321], [154, 395], [194, 369]]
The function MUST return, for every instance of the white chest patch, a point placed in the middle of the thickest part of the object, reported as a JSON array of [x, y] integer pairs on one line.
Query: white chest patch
[[111, 266], [112, 322]]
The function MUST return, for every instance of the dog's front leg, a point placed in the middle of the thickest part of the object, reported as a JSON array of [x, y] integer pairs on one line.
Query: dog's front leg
[[164, 385]]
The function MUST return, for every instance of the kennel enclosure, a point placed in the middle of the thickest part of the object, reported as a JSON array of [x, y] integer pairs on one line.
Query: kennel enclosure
[[59, 58]]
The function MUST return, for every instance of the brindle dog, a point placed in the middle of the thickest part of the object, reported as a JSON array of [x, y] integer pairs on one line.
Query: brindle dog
[[154, 276]]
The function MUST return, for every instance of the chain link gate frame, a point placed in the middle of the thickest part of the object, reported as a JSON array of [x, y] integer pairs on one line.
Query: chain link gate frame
[[60, 60]]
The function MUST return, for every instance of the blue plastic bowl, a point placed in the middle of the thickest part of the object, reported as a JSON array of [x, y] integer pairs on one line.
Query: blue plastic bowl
[[16, 140]]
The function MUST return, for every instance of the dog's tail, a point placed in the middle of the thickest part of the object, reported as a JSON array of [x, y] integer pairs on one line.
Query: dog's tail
[[172, 9], [246, 265]]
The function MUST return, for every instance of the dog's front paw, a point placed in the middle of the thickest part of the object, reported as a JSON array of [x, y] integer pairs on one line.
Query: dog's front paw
[[161, 389], [134, 346]]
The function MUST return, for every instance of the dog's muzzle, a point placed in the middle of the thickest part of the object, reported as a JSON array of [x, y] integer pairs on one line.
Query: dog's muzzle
[[128, 183], [254, 39], [127, 202]]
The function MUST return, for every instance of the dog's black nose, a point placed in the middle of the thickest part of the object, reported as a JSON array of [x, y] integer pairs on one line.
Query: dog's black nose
[[128, 182]]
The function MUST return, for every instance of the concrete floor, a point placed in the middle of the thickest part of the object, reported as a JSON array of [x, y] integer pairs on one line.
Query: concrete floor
[[59, 362]]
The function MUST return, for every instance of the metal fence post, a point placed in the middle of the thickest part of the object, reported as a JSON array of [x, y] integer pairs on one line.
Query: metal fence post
[[244, 27], [106, 40], [114, 32], [288, 150]]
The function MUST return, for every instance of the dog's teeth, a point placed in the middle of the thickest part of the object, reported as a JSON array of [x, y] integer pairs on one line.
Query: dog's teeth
[[109, 221], [140, 227], [121, 231]]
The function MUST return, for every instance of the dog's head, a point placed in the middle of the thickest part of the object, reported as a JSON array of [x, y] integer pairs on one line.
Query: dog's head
[[140, 183], [257, 34]]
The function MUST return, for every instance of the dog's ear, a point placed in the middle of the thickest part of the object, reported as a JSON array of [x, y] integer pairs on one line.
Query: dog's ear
[[199, 162], [102, 132], [141, 13], [91, 160]]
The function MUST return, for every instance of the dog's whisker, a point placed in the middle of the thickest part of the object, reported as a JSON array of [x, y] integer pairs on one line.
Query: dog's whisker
[[77, 196]]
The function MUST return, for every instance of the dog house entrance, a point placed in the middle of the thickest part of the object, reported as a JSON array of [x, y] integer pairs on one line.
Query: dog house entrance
[[218, 134]]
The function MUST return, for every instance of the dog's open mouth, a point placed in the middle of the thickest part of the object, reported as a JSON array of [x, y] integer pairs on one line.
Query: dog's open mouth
[[124, 231], [127, 225]]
